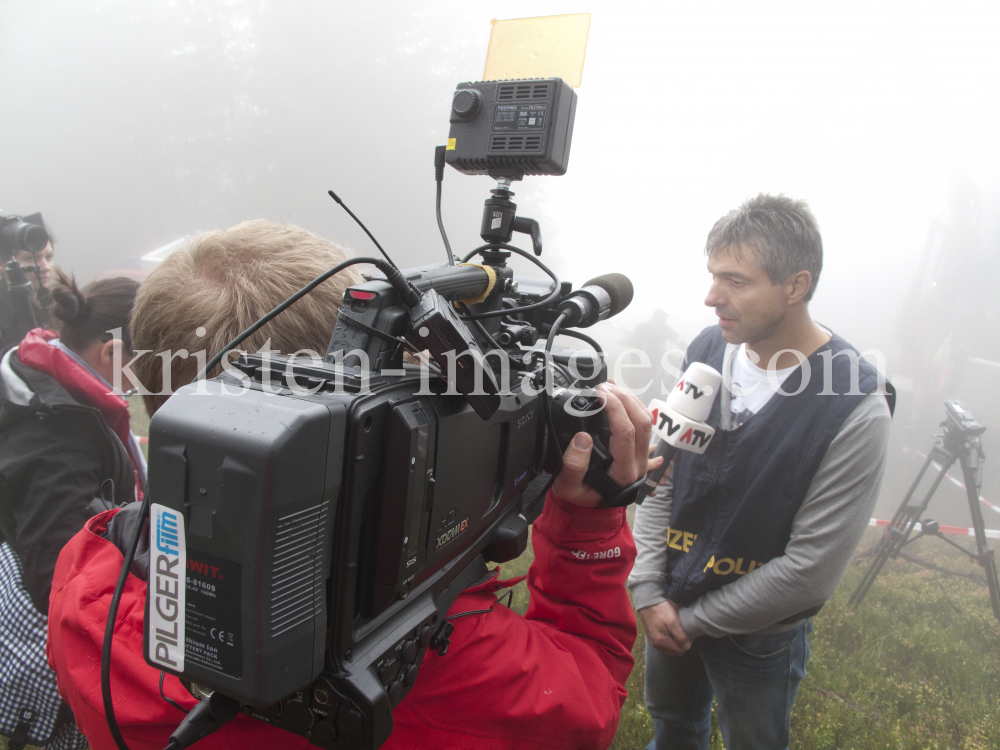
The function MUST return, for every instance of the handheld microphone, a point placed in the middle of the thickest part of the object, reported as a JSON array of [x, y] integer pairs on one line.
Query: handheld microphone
[[680, 421], [598, 299]]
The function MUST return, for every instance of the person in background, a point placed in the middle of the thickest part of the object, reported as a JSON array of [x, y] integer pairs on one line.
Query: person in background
[[755, 534], [39, 268], [66, 453]]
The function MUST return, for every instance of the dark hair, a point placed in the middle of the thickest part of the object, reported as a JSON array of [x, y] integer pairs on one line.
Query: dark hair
[[90, 315], [780, 231]]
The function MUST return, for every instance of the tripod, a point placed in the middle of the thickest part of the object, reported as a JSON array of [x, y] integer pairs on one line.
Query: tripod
[[959, 441]]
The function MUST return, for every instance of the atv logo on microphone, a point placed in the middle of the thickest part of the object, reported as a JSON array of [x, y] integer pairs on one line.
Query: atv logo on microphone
[[691, 436], [691, 389], [451, 534]]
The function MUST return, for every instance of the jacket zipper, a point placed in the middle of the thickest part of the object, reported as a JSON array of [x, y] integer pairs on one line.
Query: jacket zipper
[[715, 480]]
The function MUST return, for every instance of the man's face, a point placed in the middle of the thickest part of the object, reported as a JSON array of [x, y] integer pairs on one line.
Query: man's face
[[43, 259], [749, 306]]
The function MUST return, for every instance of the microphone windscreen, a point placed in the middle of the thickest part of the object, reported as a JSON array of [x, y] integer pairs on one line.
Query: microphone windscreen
[[618, 287]]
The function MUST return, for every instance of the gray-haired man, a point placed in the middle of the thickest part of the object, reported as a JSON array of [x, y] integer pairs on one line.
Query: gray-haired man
[[752, 537]]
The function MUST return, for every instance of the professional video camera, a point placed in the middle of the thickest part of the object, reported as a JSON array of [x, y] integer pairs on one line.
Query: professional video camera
[[327, 518], [19, 234]]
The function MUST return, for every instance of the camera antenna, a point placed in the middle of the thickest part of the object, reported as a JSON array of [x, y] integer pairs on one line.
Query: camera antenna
[[361, 224]]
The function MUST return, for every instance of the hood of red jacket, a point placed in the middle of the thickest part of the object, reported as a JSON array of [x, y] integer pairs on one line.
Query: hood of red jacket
[[36, 351]]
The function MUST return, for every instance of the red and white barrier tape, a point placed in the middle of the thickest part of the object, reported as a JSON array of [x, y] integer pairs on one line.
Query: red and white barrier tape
[[956, 530], [952, 479]]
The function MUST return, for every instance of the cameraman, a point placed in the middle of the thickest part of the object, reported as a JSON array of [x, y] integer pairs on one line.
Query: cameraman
[[38, 267], [554, 678]]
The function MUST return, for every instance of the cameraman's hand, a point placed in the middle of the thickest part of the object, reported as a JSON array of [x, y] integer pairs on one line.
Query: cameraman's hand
[[631, 426], [663, 628]]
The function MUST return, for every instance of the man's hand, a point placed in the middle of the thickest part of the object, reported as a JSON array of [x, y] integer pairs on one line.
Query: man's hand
[[631, 425], [663, 628]]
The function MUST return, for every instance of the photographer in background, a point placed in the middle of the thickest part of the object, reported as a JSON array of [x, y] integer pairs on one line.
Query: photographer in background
[[554, 678], [38, 267], [66, 453]]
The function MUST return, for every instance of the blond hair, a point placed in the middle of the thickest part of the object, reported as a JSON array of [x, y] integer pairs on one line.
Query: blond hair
[[223, 281]]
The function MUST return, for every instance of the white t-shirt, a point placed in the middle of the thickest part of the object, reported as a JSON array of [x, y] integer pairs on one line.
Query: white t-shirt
[[751, 386]]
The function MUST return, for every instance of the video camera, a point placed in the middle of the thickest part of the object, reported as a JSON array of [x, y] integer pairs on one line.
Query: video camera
[[308, 537], [19, 234], [959, 421]]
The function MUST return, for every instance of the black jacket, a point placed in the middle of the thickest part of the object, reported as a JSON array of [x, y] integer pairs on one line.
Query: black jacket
[[55, 455]]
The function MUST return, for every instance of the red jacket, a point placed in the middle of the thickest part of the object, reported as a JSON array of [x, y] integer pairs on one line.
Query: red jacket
[[62, 436], [552, 679]]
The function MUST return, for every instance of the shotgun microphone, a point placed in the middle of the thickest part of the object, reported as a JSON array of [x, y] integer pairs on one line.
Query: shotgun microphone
[[596, 300]]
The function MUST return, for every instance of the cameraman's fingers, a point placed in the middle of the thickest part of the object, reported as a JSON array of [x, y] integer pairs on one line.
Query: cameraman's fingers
[[623, 470], [569, 484], [641, 419], [576, 459]]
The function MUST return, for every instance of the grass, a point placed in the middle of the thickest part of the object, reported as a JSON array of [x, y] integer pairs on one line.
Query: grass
[[915, 667]]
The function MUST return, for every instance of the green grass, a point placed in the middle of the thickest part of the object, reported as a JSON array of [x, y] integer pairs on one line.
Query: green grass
[[915, 667]]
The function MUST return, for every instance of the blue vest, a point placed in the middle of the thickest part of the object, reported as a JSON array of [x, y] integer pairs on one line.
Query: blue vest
[[733, 506]]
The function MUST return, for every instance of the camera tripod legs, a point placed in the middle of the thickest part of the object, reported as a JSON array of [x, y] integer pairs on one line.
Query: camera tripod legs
[[897, 533], [901, 526], [985, 557]]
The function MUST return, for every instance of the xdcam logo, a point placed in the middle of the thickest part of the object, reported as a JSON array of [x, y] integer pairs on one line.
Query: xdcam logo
[[451, 534]]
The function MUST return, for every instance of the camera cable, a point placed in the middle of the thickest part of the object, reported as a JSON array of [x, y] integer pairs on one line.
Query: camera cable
[[584, 337], [109, 628], [547, 302], [486, 334], [168, 699], [410, 296], [439, 154], [550, 427]]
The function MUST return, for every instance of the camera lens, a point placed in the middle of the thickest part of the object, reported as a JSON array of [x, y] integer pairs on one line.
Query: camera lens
[[17, 235]]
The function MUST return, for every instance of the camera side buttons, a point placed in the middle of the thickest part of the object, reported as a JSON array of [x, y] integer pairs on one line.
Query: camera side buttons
[[398, 668]]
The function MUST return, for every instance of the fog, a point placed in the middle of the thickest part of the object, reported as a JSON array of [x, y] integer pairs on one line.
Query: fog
[[129, 124]]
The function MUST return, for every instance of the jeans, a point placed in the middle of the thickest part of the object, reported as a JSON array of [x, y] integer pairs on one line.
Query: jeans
[[753, 678]]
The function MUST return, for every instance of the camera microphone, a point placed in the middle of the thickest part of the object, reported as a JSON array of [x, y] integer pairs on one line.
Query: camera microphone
[[598, 299], [680, 422]]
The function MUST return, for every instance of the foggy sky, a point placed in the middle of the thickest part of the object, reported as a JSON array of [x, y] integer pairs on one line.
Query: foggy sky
[[131, 123]]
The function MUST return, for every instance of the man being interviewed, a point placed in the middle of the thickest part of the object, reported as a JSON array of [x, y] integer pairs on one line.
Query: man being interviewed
[[775, 506]]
